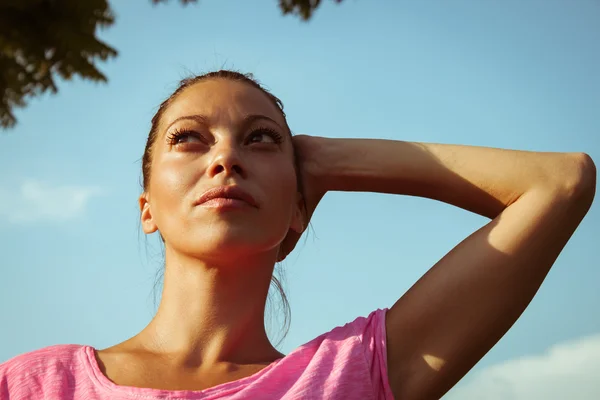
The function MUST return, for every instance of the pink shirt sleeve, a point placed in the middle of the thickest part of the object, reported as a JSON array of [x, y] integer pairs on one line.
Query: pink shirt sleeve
[[371, 331], [46, 373]]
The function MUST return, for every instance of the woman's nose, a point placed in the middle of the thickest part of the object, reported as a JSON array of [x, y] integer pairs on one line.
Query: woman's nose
[[226, 161]]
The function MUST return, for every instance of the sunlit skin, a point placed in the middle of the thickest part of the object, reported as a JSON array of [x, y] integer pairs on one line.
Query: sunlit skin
[[219, 261], [209, 328]]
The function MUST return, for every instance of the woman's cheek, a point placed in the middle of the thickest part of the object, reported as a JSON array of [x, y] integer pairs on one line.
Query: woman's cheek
[[179, 176], [171, 194]]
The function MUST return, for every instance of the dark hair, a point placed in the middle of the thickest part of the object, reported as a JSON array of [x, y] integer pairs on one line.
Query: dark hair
[[147, 157]]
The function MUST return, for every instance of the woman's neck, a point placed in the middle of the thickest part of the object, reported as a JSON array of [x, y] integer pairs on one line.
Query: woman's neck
[[212, 312]]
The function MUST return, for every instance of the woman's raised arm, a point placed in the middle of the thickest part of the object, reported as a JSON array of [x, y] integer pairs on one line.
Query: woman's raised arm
[[464, 304]]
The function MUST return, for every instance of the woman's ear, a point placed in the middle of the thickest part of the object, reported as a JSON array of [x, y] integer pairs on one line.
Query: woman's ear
[[148, 224]]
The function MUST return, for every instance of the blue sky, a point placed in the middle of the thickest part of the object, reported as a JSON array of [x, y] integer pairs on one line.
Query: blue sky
[[77, 269]]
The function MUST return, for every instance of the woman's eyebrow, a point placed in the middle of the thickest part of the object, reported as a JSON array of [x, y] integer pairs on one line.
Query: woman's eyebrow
[[202, 119], [246, 121], [249, 119]]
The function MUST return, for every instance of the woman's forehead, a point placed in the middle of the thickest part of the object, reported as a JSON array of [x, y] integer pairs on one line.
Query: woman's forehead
[[222, 100]]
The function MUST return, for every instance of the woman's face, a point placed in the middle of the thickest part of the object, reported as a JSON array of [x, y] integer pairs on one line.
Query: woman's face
[[221, 133]]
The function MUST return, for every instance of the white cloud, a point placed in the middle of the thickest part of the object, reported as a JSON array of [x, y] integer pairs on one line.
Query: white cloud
[[37, 201], [568, 370]]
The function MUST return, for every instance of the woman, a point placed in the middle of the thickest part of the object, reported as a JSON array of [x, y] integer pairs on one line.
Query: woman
[[230, 191]]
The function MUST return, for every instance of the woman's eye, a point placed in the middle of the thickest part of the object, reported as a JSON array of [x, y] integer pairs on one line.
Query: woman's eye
[[264, 136], [260, 137], [187, 138], [184, 137]]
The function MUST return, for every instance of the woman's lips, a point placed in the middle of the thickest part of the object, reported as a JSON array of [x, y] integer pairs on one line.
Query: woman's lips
[[226, 197], [223, 202]]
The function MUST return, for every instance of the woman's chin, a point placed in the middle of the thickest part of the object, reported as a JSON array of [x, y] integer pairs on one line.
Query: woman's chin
[[233, 247]]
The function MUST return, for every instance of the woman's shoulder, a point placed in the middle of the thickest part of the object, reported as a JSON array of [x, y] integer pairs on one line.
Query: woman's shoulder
[[344, 344], [60, 354], [359, 329], [38, 367], [346, 362]]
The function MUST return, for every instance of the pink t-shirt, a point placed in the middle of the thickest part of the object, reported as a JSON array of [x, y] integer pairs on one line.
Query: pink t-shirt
[[349, 362]]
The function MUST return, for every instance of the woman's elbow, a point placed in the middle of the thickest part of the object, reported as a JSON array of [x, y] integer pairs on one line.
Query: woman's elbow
[[577, 180]]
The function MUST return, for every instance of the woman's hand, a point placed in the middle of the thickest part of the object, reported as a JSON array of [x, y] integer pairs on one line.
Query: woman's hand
[[312, 186]]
